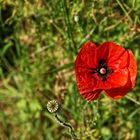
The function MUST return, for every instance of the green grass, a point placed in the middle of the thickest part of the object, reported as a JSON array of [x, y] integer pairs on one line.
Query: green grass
[[39, 41]]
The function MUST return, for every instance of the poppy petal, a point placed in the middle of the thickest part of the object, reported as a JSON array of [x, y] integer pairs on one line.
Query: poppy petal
[[85, 81], [117, 93], [120, 63], [87, 56], [84, 63], [86, 84], [118, 78], [132, 67], [109, 51], [93, 95]]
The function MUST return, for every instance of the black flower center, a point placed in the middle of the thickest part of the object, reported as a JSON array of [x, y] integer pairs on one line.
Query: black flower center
[[103, 70]]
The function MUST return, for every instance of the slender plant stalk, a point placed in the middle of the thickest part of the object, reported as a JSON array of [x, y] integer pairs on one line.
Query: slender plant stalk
[[126, 13], [70, 30], [133, 100], [74, 137]]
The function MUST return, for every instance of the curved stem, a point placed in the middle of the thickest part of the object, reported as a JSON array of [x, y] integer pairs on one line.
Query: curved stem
[[67, 125]]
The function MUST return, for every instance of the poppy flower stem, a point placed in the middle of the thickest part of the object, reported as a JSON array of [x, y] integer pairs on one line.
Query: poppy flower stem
[[74, 137]]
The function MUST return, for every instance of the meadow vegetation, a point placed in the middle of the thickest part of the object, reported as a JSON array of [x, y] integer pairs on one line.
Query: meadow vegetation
[[39, 41]]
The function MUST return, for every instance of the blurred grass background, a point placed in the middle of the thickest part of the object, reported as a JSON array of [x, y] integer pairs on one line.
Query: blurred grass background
[[39, 41]]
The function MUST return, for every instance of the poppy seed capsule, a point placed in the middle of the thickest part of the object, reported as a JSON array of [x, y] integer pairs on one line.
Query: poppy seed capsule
[[102, 71], [52, 106]]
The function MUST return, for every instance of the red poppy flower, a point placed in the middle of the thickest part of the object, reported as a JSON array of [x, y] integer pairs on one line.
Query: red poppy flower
[[108, 67]]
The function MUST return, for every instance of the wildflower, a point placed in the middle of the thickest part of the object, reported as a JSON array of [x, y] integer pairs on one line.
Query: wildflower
[[108, 67], [52, 106]]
